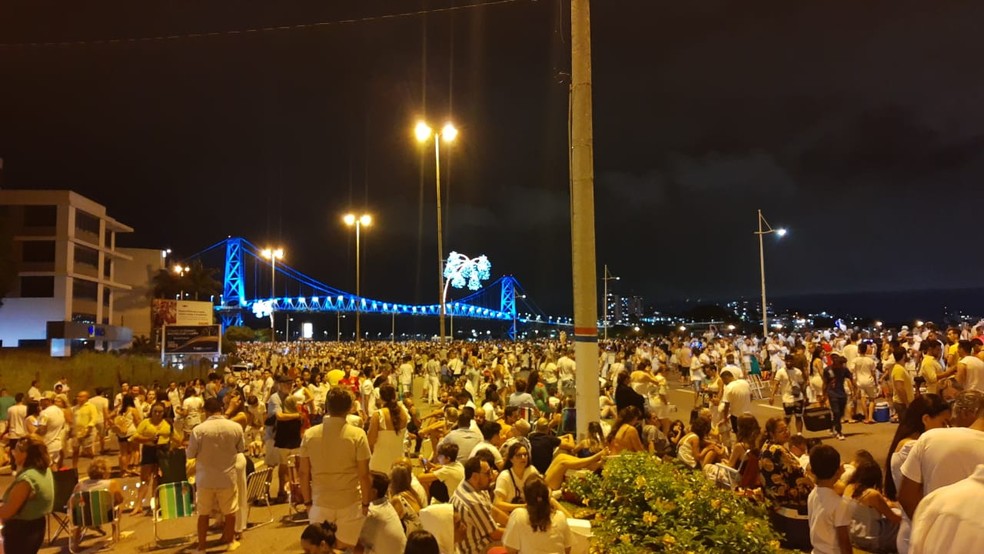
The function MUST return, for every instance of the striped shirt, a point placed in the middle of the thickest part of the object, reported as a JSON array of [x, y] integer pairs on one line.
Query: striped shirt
[[474, 508]]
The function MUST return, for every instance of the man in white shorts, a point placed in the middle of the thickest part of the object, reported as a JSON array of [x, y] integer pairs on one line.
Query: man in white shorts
[[334, 471]]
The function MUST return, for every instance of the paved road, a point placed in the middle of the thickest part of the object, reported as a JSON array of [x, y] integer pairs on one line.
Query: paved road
[[285, 537]]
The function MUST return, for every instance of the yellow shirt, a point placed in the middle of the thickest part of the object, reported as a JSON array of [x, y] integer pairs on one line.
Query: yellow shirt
[[85, 417], [147, 430], [929, 368], [900, 374]]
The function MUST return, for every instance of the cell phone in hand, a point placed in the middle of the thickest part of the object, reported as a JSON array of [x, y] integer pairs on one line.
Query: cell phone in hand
[[424, 461]]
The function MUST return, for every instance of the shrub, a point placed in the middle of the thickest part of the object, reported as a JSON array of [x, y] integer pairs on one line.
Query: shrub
[[644, 505]]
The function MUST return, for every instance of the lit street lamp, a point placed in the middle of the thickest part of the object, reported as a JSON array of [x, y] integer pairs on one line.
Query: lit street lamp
[[608, 277], [762, 231], [180, 271], [358, 222], [448, 133], [273, 254]]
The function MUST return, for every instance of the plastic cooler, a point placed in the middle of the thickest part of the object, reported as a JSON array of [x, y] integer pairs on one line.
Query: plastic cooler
[[882, 414]]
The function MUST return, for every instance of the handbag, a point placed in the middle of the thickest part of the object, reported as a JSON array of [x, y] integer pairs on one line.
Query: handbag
[[518, 497]]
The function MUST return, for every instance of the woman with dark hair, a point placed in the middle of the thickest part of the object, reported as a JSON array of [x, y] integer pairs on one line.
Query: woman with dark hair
[[624, 437], [816, 372], [125, 425], [874, 525], [491, 403], [29, 499], [421, 542], [538, 527], [625, 396], [927, 411], [694, 450], [319, 538], [786, 485], [515, 471], [403, 498], [152, 436], [541, 396], [387, 431]]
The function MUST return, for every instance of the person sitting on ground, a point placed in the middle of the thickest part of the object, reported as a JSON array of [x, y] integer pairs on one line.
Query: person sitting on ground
[[404, 499], [421, 542], [829, 513], [624, 437], [509, 484], [492, 440], [382, 532], [543, 444], [874, 521], [537, 527], [319, 538], [441, 479], [695, 450]]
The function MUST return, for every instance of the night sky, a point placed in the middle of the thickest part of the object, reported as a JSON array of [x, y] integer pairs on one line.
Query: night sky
[[857, 125]]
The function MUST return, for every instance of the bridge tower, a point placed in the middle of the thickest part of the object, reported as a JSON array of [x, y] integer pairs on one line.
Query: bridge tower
[[508, 302], [233, 289]]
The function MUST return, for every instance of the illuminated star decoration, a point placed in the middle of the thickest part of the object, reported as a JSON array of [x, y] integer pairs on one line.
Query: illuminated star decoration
[[262, 308], [460, 270]]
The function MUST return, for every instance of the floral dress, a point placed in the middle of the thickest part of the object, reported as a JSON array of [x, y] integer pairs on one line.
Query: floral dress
[[784, 481]]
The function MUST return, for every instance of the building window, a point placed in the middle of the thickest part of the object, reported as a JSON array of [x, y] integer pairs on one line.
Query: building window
[[84, 290], [37, 287], [38, 251], [86, 222], [87, 256], [106, 297], [107, 269], [40, 216]]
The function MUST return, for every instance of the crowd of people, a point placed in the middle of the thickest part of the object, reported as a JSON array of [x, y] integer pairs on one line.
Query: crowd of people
[[345, 425]]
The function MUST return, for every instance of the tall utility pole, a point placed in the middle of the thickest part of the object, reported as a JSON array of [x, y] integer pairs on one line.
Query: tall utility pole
[[583, 220]]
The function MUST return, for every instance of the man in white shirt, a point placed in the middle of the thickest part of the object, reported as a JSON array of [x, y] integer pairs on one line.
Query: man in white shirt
[[732, 367], [334, 471], [34, 393], [736, 400], [970, 368], [51, 426], [944, 456], [566, 369], [382, 532], [214, 444], [790, 383], [949, 519], [16, 425], [405, 372]]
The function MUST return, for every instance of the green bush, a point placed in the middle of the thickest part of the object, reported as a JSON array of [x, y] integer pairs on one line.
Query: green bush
[[644, 505], [86, 370]]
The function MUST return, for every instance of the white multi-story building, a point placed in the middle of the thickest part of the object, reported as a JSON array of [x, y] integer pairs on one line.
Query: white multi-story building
[[64, 291]]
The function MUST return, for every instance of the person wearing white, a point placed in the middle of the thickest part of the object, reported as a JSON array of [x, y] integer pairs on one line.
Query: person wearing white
[[736, 400], [943, 456], [730, 366], [970, 368], [948, 519], [789, 382], [520, 536], [51, 426], [382, 532]]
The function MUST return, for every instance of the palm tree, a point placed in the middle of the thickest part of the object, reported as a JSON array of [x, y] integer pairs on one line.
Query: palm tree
[[198, 281]]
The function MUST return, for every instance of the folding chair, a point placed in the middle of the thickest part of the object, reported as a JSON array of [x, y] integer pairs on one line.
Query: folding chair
[[65, 481], [294, 498], [89, 509], [171, 501], [258, 490]]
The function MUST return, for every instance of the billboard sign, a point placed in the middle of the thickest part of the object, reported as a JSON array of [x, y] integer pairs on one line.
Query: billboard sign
[[192, 339], [181, 312]]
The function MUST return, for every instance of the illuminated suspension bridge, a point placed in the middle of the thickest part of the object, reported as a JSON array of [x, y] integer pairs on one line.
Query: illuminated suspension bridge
[[497, 301]]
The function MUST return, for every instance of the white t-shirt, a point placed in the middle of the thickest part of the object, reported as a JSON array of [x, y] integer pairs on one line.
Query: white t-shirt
[[738, 395], [828, 511], [519, 534], [864, 371], [735, 370], [975, 372], [486, 446], [786, 377], [504, 488], [54, 418], [942, 457], [948, 519]]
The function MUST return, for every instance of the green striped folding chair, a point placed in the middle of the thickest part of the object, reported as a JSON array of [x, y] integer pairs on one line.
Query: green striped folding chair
[[91, 509], [171, 501]]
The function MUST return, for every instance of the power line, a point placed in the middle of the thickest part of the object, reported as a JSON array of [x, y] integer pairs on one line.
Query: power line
[[257, 30]]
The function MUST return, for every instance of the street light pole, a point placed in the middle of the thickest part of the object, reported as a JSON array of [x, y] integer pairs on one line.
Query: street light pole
[[608, 277], [765, 229], [358, 222], [448, 133], [273, 254]]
